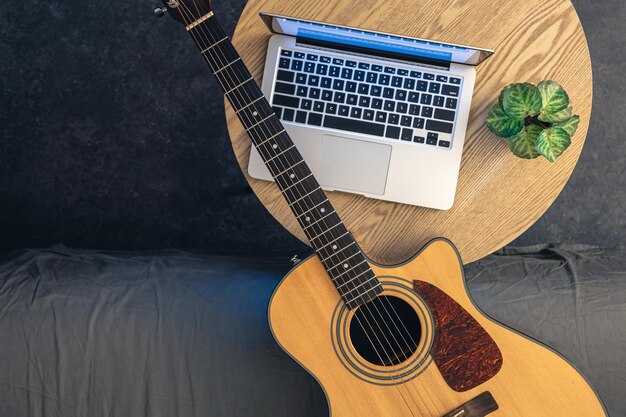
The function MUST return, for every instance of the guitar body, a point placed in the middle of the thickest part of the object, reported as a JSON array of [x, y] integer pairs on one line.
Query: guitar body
[[524, 377]]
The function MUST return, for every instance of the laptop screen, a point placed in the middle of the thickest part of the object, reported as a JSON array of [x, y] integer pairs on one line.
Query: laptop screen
[[375, 43]]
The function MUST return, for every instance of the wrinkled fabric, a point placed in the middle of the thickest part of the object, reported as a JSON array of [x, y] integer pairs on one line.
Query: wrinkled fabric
[[180, 334]]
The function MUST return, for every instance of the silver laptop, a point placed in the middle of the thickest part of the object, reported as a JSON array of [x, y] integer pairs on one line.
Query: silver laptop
[[372, 113]]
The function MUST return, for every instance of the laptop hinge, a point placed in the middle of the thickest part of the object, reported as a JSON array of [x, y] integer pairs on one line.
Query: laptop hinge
[[371, 52]]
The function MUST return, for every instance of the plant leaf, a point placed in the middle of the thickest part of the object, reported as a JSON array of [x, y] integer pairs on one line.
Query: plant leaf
[[552, 143], [523, 144], [501, 124], [520, 100], [570, 125], [556, 117], [553, 97]]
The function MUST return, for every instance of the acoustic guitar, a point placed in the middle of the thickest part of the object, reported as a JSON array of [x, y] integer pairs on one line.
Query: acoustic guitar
[[384, 341]]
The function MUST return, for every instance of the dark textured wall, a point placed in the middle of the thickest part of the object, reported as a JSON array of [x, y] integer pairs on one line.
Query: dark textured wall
[[113, 136]]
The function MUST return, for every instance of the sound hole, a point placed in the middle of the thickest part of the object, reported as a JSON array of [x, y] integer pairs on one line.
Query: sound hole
[[385, 331]]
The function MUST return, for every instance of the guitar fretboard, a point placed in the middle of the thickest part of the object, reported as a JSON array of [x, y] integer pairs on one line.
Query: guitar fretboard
[[340, 254]]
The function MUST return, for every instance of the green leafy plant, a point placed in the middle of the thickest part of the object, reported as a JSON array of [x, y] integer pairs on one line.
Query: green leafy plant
[[536, 120]]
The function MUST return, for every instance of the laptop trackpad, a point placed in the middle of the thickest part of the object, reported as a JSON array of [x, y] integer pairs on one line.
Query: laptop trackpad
[[354, 165]]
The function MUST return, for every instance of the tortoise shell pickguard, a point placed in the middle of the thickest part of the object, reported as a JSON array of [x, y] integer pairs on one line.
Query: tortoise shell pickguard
[[462, 350]]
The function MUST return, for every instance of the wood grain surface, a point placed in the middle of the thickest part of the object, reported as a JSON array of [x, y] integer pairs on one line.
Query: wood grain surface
[[498, 196]]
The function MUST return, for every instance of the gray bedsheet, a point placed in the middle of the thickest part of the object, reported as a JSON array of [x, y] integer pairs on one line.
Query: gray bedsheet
[[180, 334]]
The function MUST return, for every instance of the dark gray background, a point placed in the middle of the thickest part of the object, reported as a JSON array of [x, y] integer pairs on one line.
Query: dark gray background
[[113, 136]]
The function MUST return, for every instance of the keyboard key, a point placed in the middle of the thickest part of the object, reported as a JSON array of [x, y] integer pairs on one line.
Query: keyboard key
[[288, 115], [315, 119], [327, 95], [384, 79], [444, 143], [409, 83], [403, 72], [338, 85], [390, 70], [351, 87], [434, 88], [377, 68], [454, 80], [286, 101], [284, 88], [414, 109], [344, 110], [431, 141], [356, 113], [442, 78], [284, 63], [364, 66], [421, 86], [416, 74], [418, 123], [414, 97], [352, 99], [311, 57], [331, 108], [351, 64], [339, 97], [376, 91], [396, 81], [322, 69], [306, 104], [326, 82], [426, 99], [359, 75], [368, 114], [432, 135], [325, 59], [338, 61], [318, 106], [301, 79], [309, 67], [438, 126], [381, 116], [388, 92], [285, 52], [301, 116], [372, 77], [278, 111], [401, 95], [427, 111], [429, 76], [407, 134], [334, 71], [402, 108], [302, 91], [390, 105], [298, 55], [451, 103], [439, 101], [364, 89], [285, 76], [314, 80], [359, 126], [393, 119], [377, 103], [296, 65], [393, 132], [419, 139], [442, 114], [314, 93], [450, 90], [364, 101], [406, 121]]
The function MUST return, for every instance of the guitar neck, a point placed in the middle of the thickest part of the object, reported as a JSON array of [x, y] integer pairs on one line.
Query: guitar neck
[[340, 254]]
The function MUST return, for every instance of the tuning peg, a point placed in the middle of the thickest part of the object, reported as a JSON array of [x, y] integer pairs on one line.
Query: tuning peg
[[160, 11]]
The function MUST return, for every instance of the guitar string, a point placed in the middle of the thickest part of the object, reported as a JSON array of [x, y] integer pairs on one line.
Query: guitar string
[[378, 311], [380, 314], [400, 333]]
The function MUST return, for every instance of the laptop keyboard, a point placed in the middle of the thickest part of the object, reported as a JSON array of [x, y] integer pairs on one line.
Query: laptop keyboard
[[379, 100]]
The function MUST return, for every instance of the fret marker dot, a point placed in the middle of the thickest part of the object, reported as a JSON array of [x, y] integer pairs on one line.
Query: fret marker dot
[[292, 176], [334, 247], [255, 113], [307, 218], [274, 146], [322, 210], [346, 266]]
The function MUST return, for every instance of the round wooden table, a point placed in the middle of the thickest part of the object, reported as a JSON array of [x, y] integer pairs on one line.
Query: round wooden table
[[498, 196]]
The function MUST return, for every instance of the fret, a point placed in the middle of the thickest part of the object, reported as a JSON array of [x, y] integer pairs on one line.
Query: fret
[[347, 266]]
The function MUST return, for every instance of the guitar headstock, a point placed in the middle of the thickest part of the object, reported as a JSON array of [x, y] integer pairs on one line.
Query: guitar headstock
[[185, 11]]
